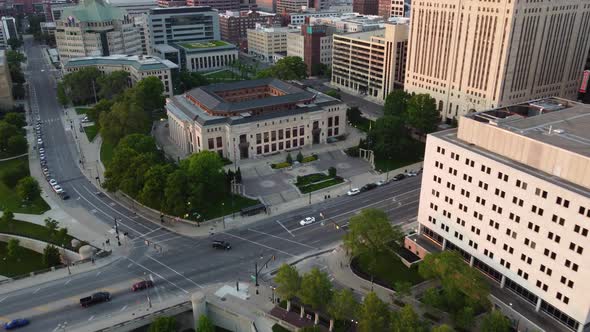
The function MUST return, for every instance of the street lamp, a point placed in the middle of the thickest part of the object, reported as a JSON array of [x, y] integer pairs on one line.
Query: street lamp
[[223, 214]]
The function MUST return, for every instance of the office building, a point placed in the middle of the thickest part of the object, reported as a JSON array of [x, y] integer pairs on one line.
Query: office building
[[54, 9], [299, 18], [171, 3], [182, 24], [249, 119], [351, 22], [9, 28], [234, 25], [479, 55], [263, 42], [138, 67], [313, 44], [94, 28], [510, 191], [371, 63], [290, 6], [6, 100], [135, 8], [206, 56], [48, 28], [220, 5], [391, 8], [366, 7]]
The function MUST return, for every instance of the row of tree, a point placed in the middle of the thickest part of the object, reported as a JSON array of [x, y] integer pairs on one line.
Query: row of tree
[[287, 68], [14, 60], [14, 251], [139, 169], [12, 134], [169, 324]]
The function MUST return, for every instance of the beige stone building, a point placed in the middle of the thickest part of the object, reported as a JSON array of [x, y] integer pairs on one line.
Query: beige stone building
[[250, 119], [371, 63], [391, 8], [263, 41], [95, 28], [6, 100], [138, 67], [510, 190], [475, 55]]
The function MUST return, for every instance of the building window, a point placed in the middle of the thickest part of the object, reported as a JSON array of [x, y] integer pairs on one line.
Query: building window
[[211, 143]]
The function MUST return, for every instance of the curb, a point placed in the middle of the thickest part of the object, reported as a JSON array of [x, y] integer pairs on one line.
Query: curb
[[300, 259]]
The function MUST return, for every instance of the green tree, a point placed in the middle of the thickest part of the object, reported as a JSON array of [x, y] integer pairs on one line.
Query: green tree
[[288, 283], [289, 159], [163, 324], [7, 217], [17, 144], [125, 118], [52, 225], [185, 80], [343, 306], [51, 256], [402, 288], [422, 113], [396, 103], [316, 290], [176, 192], [374, 315], [103, 106], [495, 321], [61, 236], [15, 57], [15, 119], [389, 137], [332, 172], [7, 131], [239, 175], [205, 172], [464, 318], [15, 43], [333, 93], [406, 320], [113, 84], [371, 233], [81, 85], [27, 189], [148, 94], [205, 324], [442, 328], [287, 68], [152, 193], [13, 249], [299, 157], [62, 96]]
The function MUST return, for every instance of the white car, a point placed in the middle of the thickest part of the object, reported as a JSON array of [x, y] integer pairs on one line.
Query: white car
[[53, 182], [85, 119], [40, 141], [380, 183], [307, 221], [58, 189], [412, 173], [353, 191], [41, 151]]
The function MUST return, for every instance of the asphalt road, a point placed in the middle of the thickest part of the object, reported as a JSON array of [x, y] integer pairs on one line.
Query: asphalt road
[[186, 263]]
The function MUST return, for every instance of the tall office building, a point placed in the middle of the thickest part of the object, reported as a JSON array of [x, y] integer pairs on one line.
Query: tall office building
[[221, 5], [290, 6], [234, 25], [391, 8], [371, 63], [475, 55], [135, 8], [313, 44], [510, 191], [181, 24], [7, 30], [264, 42], [94, 28], [366, 7]]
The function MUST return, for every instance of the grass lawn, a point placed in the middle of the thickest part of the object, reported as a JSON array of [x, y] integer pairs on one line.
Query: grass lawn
[[29, 261], [320, 185], [106, 152], [216, 209], [311, 178], [8, 198], [27, 229], [390, 269], [207, 44], [361, 123], [91, 132], [222, 76], [415, 155], [82, 110]]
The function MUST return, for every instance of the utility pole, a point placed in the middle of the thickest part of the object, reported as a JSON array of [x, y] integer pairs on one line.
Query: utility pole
[[117, 231]]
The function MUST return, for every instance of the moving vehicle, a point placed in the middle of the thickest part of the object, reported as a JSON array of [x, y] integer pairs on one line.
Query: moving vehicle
[[307, 221], [353, 191], [16, 323], [221, 245], [398, 177], [369, 186], [142, 285], [95, 298]]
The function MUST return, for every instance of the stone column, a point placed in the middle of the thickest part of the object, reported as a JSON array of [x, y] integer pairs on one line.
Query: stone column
[[503, 281], [471, 261], [199, 305], [444, 245], [538, 307]]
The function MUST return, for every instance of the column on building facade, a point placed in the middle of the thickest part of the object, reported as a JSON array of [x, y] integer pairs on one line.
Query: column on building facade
[[471, 261], [503, 281], [444, 245], [538, 306]]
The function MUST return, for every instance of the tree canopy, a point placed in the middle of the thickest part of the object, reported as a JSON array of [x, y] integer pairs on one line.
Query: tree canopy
[[51, 256], [205, 325], [374, 315], [27, 188], [495, 321], [396, 103], [185, 80], [112, 84], [163, 324], [287, 68], [316, 289], [422, 113], [288, 282]]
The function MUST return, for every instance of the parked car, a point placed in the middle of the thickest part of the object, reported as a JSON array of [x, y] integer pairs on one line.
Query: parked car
[[380, 183], [41, 150], [16, 323], [41, 156], [58, 189], [411, 173], [353, 191], [399, 177], [39, 142], [369, 186], [53, 182], [85, 119], [95, 298], [221, 245], [142, 285], [64, 195], [307, 221]]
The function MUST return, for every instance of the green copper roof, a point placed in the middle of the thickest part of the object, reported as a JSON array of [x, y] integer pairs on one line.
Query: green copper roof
[[93, 11]]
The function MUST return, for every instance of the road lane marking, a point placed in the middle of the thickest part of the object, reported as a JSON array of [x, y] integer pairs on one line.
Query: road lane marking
[[4, 298], [36, 290], [259, 244], [130, 265], [157, 274], [285, 228], [282, 238], [145, 234], [67, 282], [124, 307], [98, 273], [91, 318], [173, 270]]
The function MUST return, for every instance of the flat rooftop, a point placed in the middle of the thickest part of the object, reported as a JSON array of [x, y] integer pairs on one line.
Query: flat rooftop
[[554, 121], [139, 62], [203, 44]]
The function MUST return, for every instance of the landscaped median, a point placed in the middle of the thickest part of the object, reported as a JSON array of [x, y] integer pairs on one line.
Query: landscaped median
[[316, 181], [299, 158]]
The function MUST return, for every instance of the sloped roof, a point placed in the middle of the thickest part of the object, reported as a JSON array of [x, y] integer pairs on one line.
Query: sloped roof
[[93, 11]]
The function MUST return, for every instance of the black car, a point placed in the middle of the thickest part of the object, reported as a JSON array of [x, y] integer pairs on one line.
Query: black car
[[399, 177], [369, 186], [221, 245]]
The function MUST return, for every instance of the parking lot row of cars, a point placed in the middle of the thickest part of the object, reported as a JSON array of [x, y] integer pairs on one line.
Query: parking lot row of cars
[[43, 161], [370, 186]]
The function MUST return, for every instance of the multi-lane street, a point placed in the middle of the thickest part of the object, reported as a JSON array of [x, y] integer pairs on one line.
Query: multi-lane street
[[185, 263]]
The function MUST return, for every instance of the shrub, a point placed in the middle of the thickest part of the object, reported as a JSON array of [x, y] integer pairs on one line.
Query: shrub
[[299, 157], [332, 172], [11, 176], [280, 165], [289, 159], [310, 158]]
